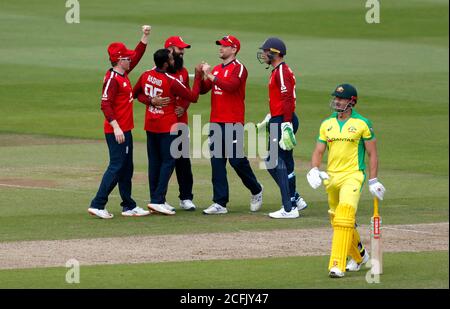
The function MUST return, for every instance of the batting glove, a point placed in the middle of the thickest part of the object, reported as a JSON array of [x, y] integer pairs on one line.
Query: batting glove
[[263, 123], [287, 141], [376, 188], [315, 177]]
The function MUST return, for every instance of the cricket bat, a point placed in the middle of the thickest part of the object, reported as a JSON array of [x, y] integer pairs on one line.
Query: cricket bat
[[375, 241]]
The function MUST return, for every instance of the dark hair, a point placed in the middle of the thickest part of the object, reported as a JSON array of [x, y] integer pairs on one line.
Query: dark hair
[[160, 57], [114, 63]]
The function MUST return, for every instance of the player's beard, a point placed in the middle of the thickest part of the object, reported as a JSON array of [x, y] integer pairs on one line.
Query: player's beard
[[179, 61], [171, 69]]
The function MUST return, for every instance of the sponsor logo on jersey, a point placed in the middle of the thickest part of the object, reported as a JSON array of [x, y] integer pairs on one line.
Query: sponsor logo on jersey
[[340, 139]]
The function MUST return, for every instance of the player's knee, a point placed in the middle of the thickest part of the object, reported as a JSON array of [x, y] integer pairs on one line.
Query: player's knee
[[345, 216]]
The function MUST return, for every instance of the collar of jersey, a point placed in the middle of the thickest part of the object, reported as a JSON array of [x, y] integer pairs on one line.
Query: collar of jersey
[[278, 66], [354, 113], [224, 65], [112, 70]]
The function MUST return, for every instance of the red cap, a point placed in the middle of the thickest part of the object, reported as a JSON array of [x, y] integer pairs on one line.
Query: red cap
[[118, 50], [229, 40], [176, 41]]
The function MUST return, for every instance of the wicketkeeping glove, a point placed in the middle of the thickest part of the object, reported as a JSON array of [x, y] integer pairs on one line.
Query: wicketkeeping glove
[[376, 188], [263, 123], [315, 177], [287, 141]]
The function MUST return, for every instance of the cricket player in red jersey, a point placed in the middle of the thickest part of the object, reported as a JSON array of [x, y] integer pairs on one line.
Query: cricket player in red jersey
[[161, 123], [183, 168], [282, 117], [117, 106], [227, 84]]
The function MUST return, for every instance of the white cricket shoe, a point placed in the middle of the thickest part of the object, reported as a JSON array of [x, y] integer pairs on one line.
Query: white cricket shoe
[[169, 207], [283, 214], [215, 209], [352, 265], [336, 273], [101, 213], [160, 208], [257, 200], [135, 212], [187, 205], [301, 204]]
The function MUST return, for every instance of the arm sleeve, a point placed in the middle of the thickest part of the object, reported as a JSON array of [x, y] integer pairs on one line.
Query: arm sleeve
[[139, 93], [286, 84], [322, 135], [110, 88], [140, 50], [368, 133], [232, 83], [205, 86], [180, 90]]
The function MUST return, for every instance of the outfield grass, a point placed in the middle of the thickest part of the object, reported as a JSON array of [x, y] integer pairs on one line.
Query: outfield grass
[[401, 270]]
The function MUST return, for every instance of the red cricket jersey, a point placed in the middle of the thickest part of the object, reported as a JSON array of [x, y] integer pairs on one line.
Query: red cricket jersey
[[282, 92], [117, 95], [154, 83], [228, 92], [183, 76]]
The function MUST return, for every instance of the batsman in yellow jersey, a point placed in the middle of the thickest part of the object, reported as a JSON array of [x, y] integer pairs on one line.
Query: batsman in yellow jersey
[[347, 135]]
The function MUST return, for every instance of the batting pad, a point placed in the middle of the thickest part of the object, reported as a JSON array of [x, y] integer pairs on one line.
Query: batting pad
[[343, 227]]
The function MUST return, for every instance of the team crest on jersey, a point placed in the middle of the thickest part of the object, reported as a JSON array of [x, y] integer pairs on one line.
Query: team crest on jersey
[[329, 129], [125, 84], [352, 129]]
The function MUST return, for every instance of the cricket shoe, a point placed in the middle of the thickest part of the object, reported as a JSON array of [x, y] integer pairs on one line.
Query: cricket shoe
[[301, 204], [135, 212], [169, 207], [215, 209], [257, 200], [160, 209], [187, 205], [101, 213], [336, 273], [283, 214], [352, 265]]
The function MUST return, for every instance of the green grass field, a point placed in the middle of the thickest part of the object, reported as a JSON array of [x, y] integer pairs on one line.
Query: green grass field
[[275, 273], [52, 153]]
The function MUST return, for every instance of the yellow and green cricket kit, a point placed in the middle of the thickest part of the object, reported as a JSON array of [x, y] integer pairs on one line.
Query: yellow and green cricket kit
[[345, 141]]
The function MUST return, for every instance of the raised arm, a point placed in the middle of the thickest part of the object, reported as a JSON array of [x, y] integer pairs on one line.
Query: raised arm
[[140, 47]]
